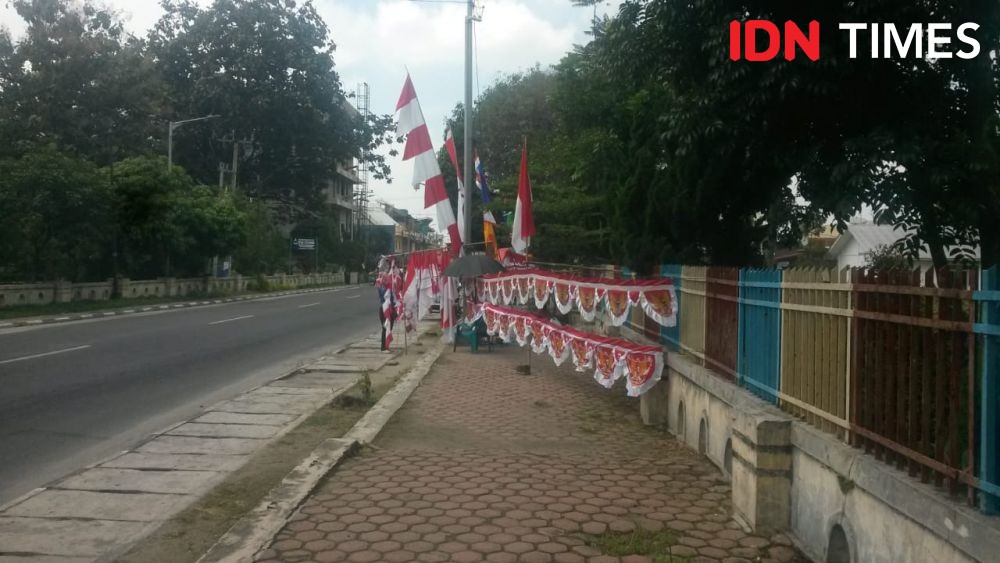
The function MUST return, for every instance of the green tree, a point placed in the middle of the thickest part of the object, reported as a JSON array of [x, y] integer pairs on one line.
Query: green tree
[[76, 80], [264, 249], [208, 224], [564, 166], [144, 195], [266, 67], [55, 217]]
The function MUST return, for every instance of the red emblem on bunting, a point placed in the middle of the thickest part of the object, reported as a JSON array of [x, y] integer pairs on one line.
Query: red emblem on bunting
[[618, 303], [640, 368]]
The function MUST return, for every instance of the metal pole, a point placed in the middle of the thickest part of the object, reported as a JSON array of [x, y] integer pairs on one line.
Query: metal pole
[[236, 159], [467, 135], [170, 146]]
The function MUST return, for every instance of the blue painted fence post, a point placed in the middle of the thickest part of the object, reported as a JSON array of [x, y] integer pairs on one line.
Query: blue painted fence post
[[758, 360], [672, 335], [989, 422]]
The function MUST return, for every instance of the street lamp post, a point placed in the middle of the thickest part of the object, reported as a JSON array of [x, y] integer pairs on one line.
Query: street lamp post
[[170, 136]]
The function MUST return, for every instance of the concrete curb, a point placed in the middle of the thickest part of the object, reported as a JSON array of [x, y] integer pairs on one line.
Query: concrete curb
[[164, 307], [254, 532]]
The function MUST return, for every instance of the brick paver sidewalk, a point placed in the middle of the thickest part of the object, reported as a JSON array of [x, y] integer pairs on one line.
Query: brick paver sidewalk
[[484, 464]]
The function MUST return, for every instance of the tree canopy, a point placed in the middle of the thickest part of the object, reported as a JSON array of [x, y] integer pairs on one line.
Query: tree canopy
[[84, 112], [692, 157]]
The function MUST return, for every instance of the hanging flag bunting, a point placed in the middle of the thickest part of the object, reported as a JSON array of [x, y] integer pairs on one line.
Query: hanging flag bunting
[[426, 170], [422, 284], [524, 222], [610, 358], [656, 296], [449, 143]]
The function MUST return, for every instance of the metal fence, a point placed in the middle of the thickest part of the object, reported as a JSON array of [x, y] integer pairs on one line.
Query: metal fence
[[758, 363], [905, 365], [987, 330], [722, 319]]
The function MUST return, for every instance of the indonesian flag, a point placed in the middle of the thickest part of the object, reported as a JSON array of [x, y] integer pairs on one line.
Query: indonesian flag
[[425, 165], [449, 144], [524, 223]]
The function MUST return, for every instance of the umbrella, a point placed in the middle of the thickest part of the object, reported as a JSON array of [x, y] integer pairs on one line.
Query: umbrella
[[473, 265]]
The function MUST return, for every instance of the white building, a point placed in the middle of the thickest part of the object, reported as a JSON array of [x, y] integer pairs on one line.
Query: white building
[[861, 238]]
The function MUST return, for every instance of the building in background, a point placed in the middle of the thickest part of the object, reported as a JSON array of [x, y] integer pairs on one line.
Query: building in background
[[391, 230], [853, 245], [339, 198]]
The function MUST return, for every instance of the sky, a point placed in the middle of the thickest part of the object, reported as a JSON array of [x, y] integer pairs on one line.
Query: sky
[[378, 40]]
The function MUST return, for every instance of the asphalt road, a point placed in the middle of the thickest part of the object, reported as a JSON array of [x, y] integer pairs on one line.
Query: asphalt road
[[74, 393]]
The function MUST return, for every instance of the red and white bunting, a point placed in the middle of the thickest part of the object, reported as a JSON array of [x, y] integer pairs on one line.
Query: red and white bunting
[[610, 358], [657, 296], [426, 170], [423, 284]]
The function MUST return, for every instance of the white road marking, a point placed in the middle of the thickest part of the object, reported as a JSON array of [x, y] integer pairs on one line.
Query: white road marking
[[353, 297], [53, 353], [309, 305], [231, 320]]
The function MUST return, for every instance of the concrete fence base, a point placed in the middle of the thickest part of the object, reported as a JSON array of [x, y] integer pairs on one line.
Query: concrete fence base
[[62, 291], [839, 504]]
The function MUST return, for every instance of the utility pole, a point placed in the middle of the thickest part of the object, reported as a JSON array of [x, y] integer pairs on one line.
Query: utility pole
[[467, 135], [236, 159]]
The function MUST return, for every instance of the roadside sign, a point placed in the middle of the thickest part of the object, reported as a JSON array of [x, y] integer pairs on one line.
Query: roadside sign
[[304, 243]]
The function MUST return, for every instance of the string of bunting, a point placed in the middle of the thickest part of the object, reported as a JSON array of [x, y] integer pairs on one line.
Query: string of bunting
[[610, 358], [657, 296]]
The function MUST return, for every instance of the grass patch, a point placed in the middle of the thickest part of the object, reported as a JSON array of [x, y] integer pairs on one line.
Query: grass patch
[[656, 545]]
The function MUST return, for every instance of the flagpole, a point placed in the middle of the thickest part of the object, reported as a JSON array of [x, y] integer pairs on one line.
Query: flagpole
[[466, 225]]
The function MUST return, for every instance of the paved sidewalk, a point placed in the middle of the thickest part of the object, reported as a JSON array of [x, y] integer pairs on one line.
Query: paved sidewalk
[[484, 464]]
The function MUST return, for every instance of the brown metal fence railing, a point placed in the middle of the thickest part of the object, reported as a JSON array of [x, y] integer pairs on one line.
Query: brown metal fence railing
[[815, 346], [913, 375], [722, 294]]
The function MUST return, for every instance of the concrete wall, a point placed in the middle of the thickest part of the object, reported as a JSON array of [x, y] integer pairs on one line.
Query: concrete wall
[[63, 291], [839, 504]]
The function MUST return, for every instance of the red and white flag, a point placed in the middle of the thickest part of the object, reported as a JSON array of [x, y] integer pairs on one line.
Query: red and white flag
[[524, 223], [388, 314], [425, 165], [449, 143]]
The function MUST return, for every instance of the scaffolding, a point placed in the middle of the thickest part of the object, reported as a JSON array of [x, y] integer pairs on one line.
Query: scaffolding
[[362, 192]]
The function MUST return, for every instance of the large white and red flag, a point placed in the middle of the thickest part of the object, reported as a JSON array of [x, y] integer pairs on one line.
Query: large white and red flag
[[524, 222], [449, 144], [425, 165]]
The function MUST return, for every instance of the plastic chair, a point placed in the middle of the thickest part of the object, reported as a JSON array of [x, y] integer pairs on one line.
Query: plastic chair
[[472, 333]]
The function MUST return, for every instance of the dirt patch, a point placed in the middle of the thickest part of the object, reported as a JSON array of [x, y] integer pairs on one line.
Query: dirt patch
[[189, 534]]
